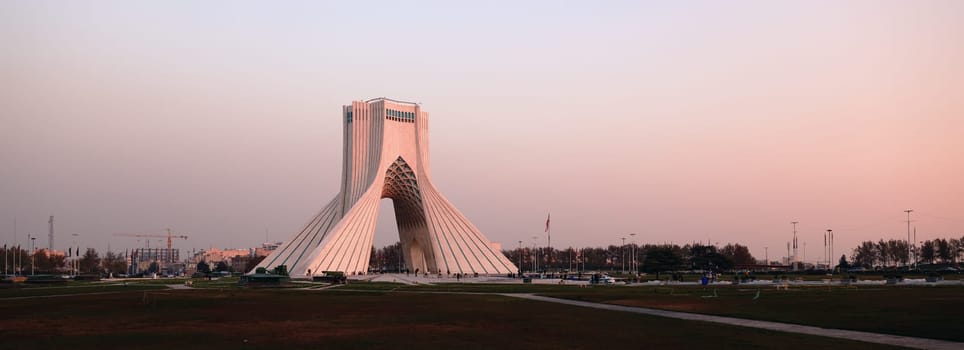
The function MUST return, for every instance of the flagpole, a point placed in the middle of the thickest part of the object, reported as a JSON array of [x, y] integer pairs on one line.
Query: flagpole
[[549, 240], [15, 238]]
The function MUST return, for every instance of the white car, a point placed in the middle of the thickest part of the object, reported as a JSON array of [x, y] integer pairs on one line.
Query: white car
[[602, 279]]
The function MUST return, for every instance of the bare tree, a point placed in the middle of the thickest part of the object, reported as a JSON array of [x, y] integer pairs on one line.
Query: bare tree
[[90, 262]]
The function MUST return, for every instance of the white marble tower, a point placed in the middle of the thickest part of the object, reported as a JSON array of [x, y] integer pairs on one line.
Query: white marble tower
[[386, 156]]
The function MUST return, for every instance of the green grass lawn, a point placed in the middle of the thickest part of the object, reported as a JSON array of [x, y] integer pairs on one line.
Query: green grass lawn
[[459, 287], [272, 319], [878, 276], [70, 289], [919, 311]]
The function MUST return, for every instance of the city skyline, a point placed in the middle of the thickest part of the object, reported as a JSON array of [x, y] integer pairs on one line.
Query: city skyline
[[685, 122]]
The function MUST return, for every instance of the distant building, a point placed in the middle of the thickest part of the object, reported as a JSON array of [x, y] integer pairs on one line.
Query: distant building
[[51, 252], [238, 259], [214, 255], [141, 259], [266, 248]]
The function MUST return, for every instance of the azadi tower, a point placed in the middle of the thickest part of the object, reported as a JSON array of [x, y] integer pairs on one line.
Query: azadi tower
[[386, 156]]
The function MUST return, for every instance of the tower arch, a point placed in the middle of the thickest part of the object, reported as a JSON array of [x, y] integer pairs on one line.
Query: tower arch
[[386, 156]]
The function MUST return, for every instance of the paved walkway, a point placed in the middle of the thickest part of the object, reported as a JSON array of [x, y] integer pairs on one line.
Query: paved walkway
[[396, 278], [910, 342]]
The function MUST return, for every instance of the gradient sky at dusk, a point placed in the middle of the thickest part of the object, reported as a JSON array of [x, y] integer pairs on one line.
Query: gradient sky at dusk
[[680, 121]]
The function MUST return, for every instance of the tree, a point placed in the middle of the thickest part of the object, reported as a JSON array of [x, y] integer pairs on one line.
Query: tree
[[957, 247], [927, 251], [843, 262], [893, 252], [943, 250], [221, 266], [203, 267], [596, 258], [739, 254], [661, 259], [46, 263], [866, 255], [705, 257], [90, 262], [387, 258], [114, 263], [245, 263]]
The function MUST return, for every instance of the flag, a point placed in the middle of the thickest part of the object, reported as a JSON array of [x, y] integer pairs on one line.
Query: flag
[[547, 222]]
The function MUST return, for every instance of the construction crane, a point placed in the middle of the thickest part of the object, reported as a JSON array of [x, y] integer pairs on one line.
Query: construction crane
[[169, 237]]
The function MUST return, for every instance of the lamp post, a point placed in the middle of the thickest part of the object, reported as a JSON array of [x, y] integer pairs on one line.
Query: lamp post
[[33, 252], [622, 251], [830, 250], [535, 254], [74, 264], [520, 259], [570, 260], [633, 268], [909, 242]]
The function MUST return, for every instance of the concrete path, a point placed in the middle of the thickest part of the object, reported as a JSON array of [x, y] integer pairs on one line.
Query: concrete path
[[396, 278], [876, 338]]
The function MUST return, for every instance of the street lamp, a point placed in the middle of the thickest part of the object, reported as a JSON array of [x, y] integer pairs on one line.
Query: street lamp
[[634, 267], [520, 259], [535, 254], [830, 250], [622, 250], [76, 257], [33, 252]]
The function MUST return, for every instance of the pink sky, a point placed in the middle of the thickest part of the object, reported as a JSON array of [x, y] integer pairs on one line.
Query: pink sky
[[696, 121]]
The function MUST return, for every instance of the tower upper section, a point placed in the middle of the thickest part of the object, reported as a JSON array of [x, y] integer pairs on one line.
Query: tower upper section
[[379, 131], [386, 108]]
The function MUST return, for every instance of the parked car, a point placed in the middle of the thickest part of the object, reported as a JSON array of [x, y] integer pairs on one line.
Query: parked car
[[601, 279]]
